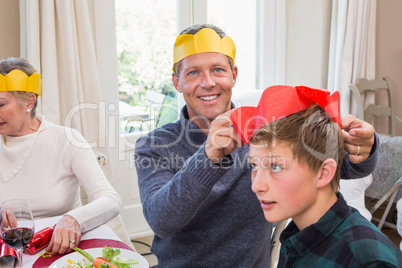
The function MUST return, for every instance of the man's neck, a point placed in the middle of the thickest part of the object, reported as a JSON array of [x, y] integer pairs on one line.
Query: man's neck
[[203, 125], [201, 122]]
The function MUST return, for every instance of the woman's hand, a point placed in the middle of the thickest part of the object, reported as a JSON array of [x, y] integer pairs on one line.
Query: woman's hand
[[66, 235], [359, 138], [8, 219]]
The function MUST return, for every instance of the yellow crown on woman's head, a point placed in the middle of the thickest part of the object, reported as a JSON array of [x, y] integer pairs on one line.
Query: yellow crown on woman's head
[[206, 40], [17, 80]]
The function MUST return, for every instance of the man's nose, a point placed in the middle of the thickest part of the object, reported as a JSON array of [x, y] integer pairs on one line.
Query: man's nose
[[207, 80]]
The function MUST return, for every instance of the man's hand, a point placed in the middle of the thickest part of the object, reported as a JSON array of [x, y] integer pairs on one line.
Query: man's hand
[[66, 235], [359, 138], [223, 138]]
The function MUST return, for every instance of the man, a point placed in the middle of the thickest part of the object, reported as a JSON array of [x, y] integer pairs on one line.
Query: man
[[194, 179]]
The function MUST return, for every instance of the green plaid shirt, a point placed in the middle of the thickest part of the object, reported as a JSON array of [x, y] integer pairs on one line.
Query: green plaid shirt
[[341, 238]]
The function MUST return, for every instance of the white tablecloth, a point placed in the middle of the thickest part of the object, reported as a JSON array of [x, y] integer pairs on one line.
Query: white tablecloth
[[102, 231]]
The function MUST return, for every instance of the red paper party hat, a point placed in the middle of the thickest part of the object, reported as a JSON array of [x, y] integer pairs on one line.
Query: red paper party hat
[[280, 101]]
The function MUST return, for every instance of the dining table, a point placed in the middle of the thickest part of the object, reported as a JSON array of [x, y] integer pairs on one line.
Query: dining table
[[98, 237]]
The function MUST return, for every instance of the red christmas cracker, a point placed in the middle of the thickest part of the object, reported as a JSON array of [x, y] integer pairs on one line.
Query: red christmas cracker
[[39, 241], [7, 254]]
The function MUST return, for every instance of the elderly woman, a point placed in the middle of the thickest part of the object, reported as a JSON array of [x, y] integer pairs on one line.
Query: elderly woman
[[39, 163]]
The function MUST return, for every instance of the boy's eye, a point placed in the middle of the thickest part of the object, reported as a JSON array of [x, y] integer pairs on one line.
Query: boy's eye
[[253, 166], [275, 167]]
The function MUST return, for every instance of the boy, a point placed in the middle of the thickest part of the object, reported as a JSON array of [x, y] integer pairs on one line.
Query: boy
[[295, 153]]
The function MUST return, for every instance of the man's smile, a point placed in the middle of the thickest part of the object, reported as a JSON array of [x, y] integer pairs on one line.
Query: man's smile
[[209, 98]]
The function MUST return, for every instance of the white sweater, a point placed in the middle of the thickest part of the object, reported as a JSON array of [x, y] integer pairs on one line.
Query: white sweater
[[48, 167]]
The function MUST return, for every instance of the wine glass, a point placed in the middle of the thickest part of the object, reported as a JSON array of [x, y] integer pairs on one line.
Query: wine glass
[[17, 225]]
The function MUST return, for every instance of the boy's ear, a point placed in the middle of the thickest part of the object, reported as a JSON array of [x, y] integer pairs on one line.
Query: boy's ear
[[327, 172]]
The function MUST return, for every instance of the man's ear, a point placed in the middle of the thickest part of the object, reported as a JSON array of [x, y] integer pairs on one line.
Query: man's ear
[[327, 172], [175, 81], [234, 75]]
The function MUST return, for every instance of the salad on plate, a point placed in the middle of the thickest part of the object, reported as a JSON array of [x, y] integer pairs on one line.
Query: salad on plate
[[110, 259]]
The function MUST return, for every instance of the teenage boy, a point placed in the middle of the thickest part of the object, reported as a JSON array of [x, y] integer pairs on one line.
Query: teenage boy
[[295, 152]]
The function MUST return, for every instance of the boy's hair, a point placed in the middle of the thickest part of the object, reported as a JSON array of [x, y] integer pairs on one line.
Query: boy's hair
[[195, 29], [312, 135]]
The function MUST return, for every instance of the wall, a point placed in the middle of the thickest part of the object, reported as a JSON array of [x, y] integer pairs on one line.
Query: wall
[[307, 37], [10, 30], [389, 50], [308, 42]]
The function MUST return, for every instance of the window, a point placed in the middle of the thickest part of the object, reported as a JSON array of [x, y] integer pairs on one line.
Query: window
[[238, 18], [145, 31]]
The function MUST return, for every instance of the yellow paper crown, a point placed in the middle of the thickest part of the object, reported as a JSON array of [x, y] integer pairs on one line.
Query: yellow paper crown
[[17, 80], [206, 40]]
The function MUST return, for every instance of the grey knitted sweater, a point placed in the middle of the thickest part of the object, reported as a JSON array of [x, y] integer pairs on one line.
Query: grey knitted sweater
[[204, 215]]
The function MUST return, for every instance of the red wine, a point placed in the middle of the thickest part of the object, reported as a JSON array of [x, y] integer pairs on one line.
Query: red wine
[[17, 237]]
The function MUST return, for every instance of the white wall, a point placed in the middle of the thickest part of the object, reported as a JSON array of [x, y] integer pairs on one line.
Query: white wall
[[389, 51], [308, 24]]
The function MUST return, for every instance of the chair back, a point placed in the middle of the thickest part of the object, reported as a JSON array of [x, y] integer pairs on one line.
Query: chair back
[[154, 100], [247, 98], [367, 112]]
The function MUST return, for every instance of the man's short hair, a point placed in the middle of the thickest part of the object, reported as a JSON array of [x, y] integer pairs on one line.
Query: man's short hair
[[195, 29]]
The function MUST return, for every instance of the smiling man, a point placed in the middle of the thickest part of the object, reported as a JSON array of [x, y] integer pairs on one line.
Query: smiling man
[[194, 179], [206, 81], [205, 74]]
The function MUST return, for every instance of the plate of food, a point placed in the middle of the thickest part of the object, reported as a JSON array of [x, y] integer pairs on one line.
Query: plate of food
[[119, 257]]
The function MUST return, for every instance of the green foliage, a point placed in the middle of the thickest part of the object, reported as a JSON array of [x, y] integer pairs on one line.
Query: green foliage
[[145, 32], [170, 111]]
